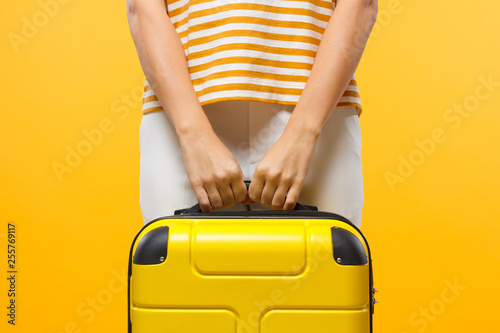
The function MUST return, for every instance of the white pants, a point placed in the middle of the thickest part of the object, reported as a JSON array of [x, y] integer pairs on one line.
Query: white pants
[[249, 129]]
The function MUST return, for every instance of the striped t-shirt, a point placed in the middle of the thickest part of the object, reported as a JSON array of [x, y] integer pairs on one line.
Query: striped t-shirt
[[256, 50]]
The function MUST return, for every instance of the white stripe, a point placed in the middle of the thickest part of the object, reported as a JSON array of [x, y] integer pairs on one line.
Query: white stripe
[[249, 93], [257, 81], [350, 99], [263, 82], [250, 80], [271, 3], [259, 42], [193, 8], [148, 93], [250, 54], [177, 4], [193, 22], [352, 88], [151, 105], [250, 67], [255, 27]]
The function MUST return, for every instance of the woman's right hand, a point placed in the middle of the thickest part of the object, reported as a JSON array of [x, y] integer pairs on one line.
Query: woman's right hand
[[214, 173]]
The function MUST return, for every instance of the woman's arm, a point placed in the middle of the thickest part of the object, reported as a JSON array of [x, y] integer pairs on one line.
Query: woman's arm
[[214, 173], [283, 169], [337, 58], [164, 64]]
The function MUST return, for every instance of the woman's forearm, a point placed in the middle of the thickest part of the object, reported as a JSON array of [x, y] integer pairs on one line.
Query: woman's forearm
[[337, 58], [163, 61]]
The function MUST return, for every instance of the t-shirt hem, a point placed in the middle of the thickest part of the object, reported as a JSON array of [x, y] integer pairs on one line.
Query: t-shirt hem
[[358, 106]]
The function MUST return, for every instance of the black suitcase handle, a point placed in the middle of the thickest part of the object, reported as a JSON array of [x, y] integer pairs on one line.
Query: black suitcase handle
[[197, 209]]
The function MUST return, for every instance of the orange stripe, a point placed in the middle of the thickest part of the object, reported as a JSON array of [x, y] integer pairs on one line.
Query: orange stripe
[[249, 60], [251, 47], [151, 98], [261, 88], [148, 110], [254, 21], [351, 93], [256, 34], [250, 6], [277, 77], [250, 20], [318, 3], [242, 86], [236, 73], [154, 98], [352, 104]]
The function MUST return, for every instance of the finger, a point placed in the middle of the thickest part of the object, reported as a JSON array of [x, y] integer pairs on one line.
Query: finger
[[203, 201], [239, 190], [227, 196], [292, 197], [247, 200], [280, 196], [214, 196], [267, 193], [255, 188]]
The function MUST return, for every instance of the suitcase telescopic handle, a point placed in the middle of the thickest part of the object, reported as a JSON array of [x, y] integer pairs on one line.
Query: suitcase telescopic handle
[[197, 209]]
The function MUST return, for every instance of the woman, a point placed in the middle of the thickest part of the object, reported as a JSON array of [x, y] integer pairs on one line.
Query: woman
[[226, 99]]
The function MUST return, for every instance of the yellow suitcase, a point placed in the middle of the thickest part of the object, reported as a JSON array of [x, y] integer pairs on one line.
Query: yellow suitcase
[[250, 272]]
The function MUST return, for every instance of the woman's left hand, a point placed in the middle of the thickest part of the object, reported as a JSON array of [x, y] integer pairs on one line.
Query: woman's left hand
[[282, 171]]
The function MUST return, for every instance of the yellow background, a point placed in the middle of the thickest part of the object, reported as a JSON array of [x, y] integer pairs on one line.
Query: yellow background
[[437, 225]]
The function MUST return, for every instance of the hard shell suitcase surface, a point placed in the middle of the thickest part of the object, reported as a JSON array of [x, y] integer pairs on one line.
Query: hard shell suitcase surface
[[268, 271]]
